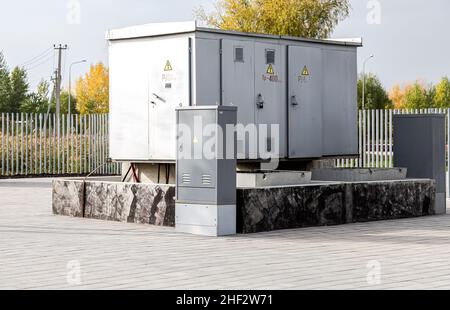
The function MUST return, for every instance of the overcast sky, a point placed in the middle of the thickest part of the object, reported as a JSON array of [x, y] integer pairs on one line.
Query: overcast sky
[[409, 38]]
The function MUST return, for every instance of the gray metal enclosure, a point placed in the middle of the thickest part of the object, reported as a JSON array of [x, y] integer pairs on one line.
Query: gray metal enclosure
[[206, 180], [307, 87], [419, 145]]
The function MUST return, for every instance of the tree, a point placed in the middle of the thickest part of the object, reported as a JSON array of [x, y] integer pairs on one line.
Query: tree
[[301, 18], [5, 84], [413, 96], [92, 91], [18, 89], [13, 87], [430, 93], [376, 96], [416, 96], [38, 101], [397, 96], [64, 102], [442, 95]]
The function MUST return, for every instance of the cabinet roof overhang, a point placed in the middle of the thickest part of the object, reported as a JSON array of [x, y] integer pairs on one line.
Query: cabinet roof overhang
[[175, 28]]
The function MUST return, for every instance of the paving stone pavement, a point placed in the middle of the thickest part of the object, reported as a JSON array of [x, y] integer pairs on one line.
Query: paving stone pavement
[[41, 251]]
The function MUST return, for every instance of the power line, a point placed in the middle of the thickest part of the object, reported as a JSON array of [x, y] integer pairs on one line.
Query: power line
[[40, 63], [36, 58]]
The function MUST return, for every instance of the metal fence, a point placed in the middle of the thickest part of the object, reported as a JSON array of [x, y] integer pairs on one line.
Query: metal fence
[[44, 144], [376, 138], [34, 144]]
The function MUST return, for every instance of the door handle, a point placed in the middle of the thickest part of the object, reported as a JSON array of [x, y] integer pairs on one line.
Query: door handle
[[294, 101], [260, 102]]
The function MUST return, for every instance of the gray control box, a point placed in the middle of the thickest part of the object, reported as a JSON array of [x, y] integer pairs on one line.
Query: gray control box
[[419, 145], [206, 170]]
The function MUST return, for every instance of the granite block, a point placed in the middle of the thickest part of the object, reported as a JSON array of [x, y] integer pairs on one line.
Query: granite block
[[67, 198], [258, 209], [272, 208], [393, 200], [132, 203]]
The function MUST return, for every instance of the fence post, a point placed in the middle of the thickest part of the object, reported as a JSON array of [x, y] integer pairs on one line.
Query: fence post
[[80, 141], [85, 143], [45, 143], [448, 152], [3, 144], [12, 144], [26, 144], [7, 144], [382, 156], [391, 125], [40, 143], [54, 143], [386, 145], [63, 145]]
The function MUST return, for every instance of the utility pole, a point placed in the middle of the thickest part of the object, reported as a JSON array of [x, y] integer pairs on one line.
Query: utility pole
[[59, 48], [58, 77]]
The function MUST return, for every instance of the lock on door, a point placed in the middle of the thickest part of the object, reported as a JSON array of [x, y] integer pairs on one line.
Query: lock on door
[[260, 101]]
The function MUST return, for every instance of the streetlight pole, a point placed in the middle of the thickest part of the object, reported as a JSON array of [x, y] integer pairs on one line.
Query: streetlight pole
[[70, 81], [364, 81]]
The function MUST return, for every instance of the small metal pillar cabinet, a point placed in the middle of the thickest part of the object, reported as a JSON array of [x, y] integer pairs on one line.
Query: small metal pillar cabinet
[[419, 145], [206, 185]]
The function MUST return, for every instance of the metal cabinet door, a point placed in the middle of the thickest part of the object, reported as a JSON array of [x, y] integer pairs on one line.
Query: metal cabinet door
[[238, 86], [340, 123], [168, 89], [270, 92], [194, 169], [305, 102]]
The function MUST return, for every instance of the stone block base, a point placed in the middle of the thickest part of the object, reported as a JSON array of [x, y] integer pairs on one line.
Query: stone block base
[[258, 209]]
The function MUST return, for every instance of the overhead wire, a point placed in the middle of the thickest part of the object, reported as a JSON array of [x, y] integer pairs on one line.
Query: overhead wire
[[36, 58], [40, 63]]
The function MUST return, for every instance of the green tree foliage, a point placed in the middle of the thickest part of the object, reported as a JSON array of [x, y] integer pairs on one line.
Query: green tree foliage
[[38, 101], [64, 103], [376, 96], [417, 97], [302, 18], [13, 87], [15, 95], [5, 85], [19, 89], [442, 93]]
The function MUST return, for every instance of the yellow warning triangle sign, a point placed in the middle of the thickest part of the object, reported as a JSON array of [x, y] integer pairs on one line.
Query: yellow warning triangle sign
[[305, 71], [270, 70], [168, 66]]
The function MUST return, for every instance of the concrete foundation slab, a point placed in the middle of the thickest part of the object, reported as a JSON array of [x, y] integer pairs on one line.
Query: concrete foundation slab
[[272, 178], [359, 174]]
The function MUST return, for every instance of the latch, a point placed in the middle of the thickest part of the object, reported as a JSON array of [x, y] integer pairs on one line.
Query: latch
[[260, 102], [294, 101]]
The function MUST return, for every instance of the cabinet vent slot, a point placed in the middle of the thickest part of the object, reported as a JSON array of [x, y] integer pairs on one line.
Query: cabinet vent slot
[[186, 178], [206, 179]]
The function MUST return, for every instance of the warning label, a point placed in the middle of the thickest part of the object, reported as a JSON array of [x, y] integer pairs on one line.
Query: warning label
[[270, 70], [305, 71], [168, 66]]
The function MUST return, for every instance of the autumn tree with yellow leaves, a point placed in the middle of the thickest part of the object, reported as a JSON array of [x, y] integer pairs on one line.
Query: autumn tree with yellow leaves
[[415, 95], [301, 18], [92, 90]]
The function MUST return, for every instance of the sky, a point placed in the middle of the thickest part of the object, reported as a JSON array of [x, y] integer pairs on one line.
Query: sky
[[408, 38]]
